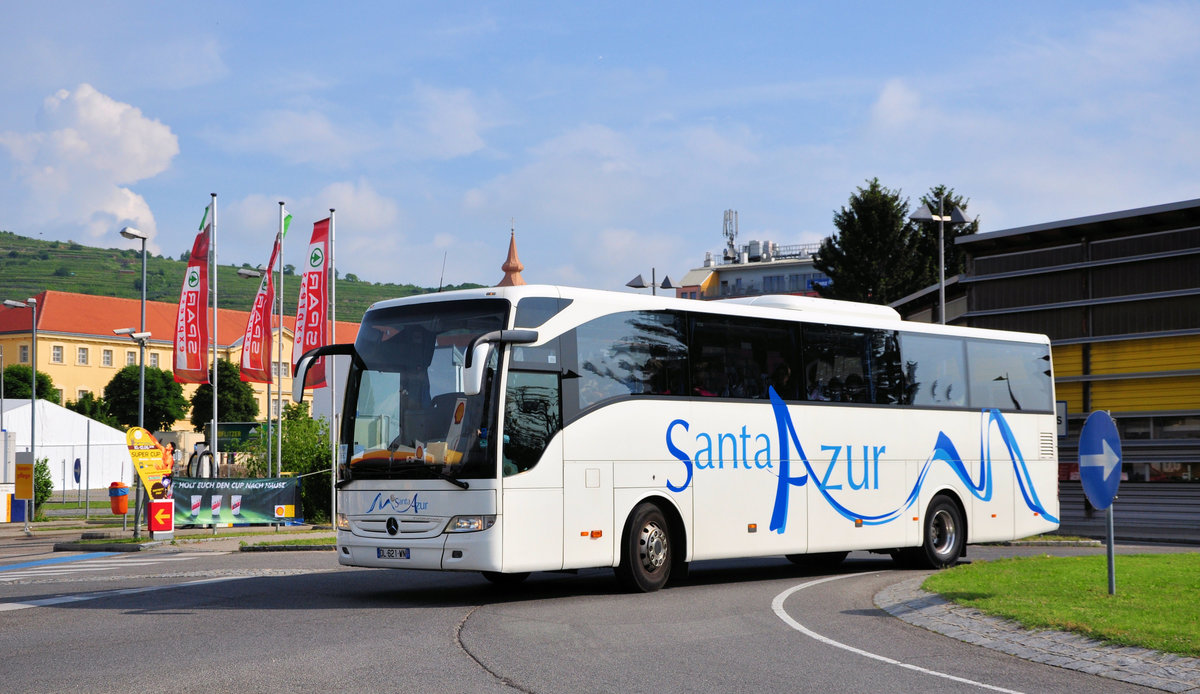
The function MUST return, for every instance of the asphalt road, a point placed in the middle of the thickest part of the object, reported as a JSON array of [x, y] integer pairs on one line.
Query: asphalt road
[[200, 620]]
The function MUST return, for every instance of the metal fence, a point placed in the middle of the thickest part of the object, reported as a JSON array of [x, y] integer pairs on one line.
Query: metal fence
[[1147, 511]]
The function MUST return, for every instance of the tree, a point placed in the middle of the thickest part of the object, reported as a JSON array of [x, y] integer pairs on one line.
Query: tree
[[16, 384], [164, 398], [927, 237], [235, 398], [870, 257], [95, 408], [305, 450]]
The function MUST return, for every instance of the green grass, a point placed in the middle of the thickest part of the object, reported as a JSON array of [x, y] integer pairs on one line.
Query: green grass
[[1157, 601], [33, 265], [76, 505]]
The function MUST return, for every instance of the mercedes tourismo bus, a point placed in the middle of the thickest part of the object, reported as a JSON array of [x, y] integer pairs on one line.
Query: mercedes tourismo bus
[[543, 428]]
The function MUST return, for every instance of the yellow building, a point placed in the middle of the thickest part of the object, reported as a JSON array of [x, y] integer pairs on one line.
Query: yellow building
[[76, 346]]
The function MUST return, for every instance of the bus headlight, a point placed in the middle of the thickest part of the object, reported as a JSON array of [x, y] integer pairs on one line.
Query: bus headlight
[[470, 524], [343, 521]]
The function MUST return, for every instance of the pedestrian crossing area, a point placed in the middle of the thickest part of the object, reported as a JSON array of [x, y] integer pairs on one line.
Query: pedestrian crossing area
[[88, 564]]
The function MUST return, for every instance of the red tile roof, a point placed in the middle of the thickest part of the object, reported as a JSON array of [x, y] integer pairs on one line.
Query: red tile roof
[[83, 314]]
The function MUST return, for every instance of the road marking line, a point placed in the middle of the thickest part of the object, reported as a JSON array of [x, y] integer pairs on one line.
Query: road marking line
[[63, 599], [777, 606], [56, 560]]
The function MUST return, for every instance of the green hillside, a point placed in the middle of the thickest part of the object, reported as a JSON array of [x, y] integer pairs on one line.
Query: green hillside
[[29, 266]]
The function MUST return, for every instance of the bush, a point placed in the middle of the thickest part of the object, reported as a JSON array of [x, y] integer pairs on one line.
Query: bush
[[43, 483]]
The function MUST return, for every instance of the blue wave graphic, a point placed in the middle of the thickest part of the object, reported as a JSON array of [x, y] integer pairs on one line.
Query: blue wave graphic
[[943, 451]]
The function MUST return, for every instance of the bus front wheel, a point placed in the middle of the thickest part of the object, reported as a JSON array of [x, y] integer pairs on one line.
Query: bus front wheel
[[646, 550]]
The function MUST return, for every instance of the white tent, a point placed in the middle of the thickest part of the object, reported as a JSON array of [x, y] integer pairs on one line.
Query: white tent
[[64, 436]]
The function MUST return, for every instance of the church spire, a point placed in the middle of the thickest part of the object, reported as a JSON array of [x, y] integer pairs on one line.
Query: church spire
[[512, 266]]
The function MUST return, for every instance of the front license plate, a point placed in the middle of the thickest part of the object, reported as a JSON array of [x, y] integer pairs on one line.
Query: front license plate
[[391, 552]]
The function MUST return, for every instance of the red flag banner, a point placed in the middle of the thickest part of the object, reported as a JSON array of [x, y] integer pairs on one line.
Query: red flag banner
[[191, 323], [311, 328], [256, 343]]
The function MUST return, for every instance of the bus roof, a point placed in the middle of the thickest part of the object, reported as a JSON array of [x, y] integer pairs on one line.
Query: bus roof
[[777, 306]]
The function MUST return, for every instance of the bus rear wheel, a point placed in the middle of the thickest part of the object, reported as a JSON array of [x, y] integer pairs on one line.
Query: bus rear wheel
[[646, 550], [945, 536]]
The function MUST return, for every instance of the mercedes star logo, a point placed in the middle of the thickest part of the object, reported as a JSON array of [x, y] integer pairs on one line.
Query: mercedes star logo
[[393, 526]]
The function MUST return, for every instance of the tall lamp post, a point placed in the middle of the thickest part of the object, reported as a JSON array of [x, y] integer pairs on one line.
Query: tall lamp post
[[640, 283], [140, 338], [136, 234], [956, 216], [32, 304]]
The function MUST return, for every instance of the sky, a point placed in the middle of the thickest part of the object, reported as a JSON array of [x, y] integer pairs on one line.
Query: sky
[[611, 136]]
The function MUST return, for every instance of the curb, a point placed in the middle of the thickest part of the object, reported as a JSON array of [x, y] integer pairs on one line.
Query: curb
[[288, 548], [98, 547]]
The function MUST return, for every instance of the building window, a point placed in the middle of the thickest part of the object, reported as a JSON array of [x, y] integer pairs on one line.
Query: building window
[[56, 354], [81, 393], [154, 359], [81, 356], [24, 354], [106, 357], [130, 357]]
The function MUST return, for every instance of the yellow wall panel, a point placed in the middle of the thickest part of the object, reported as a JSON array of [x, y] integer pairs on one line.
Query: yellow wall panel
[[1133, 356], [1147, 394], [1068, 360], [1072, 393]]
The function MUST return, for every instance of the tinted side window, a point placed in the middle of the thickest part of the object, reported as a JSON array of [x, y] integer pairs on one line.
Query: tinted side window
[[741, 358], [935, 370], [630, 353], [844, 364], [532, 416], [1009, 376], [532, 311]]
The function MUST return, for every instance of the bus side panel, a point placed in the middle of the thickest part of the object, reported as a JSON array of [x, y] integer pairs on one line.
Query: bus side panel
[[736, 484], [1043, 469], [588, 532], [863, 469]]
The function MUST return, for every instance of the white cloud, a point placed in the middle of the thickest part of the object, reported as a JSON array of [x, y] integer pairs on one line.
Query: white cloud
[[77, 167]]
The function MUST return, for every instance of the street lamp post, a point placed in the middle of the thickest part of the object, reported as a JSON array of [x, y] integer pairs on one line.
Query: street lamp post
[[133, 233], [140, 338], [956, 216], [640, 283], [32, 304]]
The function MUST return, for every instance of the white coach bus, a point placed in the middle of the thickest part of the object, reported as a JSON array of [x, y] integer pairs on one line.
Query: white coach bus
[[543, 428]]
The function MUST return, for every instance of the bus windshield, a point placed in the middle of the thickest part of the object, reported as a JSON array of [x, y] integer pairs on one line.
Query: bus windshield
[[407, 414]]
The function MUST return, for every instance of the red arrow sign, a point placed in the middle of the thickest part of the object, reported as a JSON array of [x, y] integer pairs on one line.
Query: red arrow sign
[[162, 515]]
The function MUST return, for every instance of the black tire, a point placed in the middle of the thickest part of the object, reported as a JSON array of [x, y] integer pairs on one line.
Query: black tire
[[646, 557], [818, 561], [945, 536], [500, 579]]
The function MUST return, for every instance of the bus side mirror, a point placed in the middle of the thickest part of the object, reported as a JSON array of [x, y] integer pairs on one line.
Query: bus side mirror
[[479, 351], [473, 374], [306, 361]]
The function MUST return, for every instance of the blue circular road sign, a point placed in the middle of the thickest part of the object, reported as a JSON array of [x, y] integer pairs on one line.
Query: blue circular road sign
[[1100, 459], [77, 467]]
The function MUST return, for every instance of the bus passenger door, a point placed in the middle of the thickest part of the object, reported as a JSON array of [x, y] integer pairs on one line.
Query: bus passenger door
[[532, 455]]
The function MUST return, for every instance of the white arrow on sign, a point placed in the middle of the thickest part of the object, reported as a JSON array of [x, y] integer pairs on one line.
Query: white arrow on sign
[[1107, 459]]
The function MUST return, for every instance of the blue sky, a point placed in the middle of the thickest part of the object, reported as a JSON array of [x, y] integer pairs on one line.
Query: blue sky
[[615, 134]]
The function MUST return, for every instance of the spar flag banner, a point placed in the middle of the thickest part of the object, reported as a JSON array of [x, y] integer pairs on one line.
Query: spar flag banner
[[256, 344], [191, 323], [237, 501], [311, 328]]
